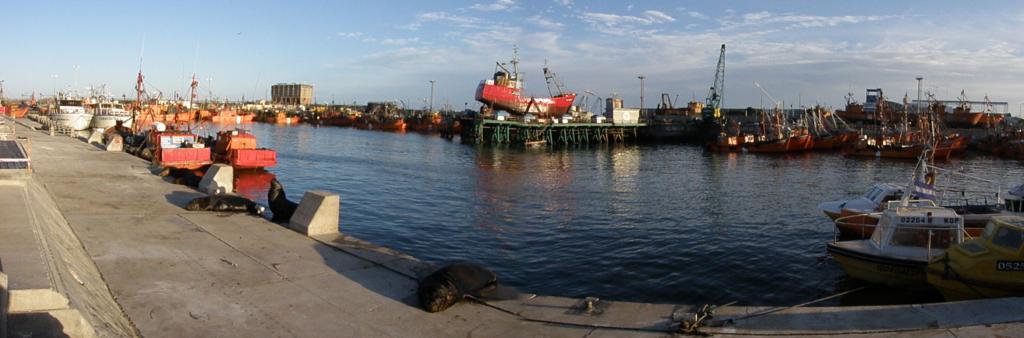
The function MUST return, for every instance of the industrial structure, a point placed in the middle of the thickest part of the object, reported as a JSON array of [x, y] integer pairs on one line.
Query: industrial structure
[[292, 94]]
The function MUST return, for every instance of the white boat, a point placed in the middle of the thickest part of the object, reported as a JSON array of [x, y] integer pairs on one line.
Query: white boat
[[106, 115], [871, 201], [908, 235], [71, 114]]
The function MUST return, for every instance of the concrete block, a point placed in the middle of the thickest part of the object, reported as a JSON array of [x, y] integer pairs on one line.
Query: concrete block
[[317, 214], [4, 297], [36, 300], [218, 180], [115, 143], [96, 137]]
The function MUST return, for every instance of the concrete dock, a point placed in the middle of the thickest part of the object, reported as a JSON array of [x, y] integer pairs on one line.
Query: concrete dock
[[106, 249]]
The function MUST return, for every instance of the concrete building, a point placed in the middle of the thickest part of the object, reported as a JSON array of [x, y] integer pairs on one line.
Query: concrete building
[[292, 93]]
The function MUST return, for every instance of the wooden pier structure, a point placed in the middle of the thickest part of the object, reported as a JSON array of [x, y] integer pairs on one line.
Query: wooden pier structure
[[488, 131]]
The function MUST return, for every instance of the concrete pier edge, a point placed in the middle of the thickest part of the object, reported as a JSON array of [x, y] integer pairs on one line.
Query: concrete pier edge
[[179, 273], [218, 180], [317, 214]]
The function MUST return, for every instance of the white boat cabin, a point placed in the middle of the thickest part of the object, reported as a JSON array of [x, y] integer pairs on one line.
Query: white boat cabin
[[879, 195], [916, 232]]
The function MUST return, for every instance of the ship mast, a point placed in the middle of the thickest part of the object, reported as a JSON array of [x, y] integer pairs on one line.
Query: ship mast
[[139, 89]]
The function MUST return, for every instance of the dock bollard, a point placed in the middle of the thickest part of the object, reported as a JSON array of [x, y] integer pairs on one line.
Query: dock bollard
[[218, 180], [317, 214], [115, 143], [96, 137]]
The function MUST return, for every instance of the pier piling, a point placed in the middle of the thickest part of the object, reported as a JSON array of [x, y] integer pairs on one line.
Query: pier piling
[[520, 133]]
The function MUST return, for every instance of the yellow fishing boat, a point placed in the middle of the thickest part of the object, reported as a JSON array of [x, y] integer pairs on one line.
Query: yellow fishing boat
[[908, 235], [987, 267]]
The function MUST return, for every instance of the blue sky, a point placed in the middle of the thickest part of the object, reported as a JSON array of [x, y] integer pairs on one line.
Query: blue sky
[[800, 51]]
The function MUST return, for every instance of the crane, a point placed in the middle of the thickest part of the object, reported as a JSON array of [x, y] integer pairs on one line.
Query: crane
[[777, 104], [713, 103]]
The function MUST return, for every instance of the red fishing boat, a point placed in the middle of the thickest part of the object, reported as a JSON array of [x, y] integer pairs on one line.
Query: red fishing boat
[[226, 115], [424, 122], [870, 111], [382, 116], [340, 119], [238, 148], [505, 92], [176, 149]]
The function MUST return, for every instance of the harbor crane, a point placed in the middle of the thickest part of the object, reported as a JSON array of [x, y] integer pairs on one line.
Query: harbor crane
[[713, 103], [550, 79], [778, 105]]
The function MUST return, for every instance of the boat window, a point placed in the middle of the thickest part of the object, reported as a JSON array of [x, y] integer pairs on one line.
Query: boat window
[[943, 238], [916, 237], [892, 196], [872, 194], [1008, 237], [990, 228]]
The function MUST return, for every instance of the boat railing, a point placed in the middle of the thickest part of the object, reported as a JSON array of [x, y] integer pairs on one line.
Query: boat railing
[[899, 204], [860, 222], [856, 220]]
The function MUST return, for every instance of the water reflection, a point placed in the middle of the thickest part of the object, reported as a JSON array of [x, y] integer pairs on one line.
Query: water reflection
[[641, 223], [253, 184]]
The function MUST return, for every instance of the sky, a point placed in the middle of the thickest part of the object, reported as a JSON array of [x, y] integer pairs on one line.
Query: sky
[[800, 52]]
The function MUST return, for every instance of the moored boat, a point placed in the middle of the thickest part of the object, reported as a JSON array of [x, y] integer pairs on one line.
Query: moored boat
[[239, 149], [985, 267], [176, 149], [107, 114], [71, 114], [871, 201], [908, 235]]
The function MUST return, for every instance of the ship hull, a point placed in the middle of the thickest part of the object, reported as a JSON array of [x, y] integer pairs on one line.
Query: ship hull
[[74, 121], [109, 121], [510, 100]]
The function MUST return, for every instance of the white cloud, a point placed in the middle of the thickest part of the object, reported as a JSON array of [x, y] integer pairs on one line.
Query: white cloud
[[650, 17], [399, 41], [499, 5], [697, 15], [446, 17], [370, 39], [545, 22], [658, 17], [350, 34], [802, 21], [565, 3]]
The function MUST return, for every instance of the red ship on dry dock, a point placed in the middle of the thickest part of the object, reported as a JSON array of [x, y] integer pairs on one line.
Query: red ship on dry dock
[[238, 148], [505, 92]]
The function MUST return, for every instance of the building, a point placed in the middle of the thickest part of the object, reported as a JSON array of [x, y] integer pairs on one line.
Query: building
[[292, 94]]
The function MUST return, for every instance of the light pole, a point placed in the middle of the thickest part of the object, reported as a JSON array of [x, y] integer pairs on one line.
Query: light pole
[[431, 96], [641, 77], [918, 105], [54, 77], [75, 88]]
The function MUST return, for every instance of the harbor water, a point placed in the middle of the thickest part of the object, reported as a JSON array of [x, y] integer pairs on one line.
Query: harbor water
[[649, 223]]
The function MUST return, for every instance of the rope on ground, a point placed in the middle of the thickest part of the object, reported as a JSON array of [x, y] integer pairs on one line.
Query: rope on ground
[[554, 322], [778, 309]]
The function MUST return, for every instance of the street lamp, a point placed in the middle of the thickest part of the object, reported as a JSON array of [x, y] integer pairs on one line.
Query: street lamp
[[76, 79], [431, 96], [641, 77], [919, 78], [54, 77]]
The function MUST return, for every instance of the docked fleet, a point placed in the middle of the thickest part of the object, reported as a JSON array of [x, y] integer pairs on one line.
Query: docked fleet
[[922, 237]]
